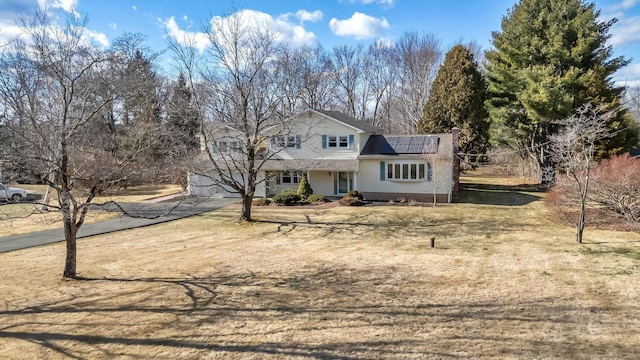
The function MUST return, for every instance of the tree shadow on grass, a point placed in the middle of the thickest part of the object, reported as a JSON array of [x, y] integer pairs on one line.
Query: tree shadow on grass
[[382, 312], [502, 195]]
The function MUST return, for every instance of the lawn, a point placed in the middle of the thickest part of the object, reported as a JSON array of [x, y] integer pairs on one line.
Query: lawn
[[27, 217], [504, 281]]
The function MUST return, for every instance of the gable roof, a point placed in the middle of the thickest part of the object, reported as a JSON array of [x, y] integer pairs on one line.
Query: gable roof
[[349, 120], [401, 144]]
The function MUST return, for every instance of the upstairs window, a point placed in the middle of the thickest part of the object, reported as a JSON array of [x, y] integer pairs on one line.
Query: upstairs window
[[286, 141], [226, 147], [337, 141]]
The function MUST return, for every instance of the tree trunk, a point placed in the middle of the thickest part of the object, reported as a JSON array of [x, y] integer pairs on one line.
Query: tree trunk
[[245, 215], [70, 231]]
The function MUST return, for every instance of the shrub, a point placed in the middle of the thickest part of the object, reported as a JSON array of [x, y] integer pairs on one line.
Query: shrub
[[262, 202], [287, 198], [354, 194], [350, 201], [316, 198], [304, 189]]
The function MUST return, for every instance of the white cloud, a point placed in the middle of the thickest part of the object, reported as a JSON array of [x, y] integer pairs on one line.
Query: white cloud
[[113, 25], [197, 40], [304, 15], [8, 32], [359, 26], [626, 4], [96, 38], [185, 17], [286, 32], [135, 8], [628, 75], [66, 5], [626, 31]]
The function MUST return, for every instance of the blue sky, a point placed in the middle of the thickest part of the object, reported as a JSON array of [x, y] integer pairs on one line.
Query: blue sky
[[324, 22]]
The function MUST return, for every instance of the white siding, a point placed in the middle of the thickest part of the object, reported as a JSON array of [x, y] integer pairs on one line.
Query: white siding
[[310, 127], [369, 179], [200, 185]]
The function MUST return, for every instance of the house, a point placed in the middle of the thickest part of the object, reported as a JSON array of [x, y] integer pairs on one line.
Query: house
[[338, 154]]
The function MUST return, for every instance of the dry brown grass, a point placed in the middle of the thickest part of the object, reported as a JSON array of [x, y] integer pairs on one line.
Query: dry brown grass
[[340, 283], [26, 217]]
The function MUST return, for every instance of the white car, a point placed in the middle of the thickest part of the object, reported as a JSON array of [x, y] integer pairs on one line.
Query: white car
[[12, 194]]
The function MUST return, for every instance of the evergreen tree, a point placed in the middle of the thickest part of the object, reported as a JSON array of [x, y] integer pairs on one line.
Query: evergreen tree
[[183, 118], [304, 189], [457, 99], [550, 59]]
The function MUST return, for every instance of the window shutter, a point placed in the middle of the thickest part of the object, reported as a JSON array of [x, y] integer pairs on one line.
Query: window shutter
[[382, 171], [324, 141], [429, 172], [298, 142], [351, 141], [335, 183], [278, 176]]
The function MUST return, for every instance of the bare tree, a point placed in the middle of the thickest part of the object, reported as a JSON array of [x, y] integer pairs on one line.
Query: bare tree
[[616, 187], [574, 149], [51, 90], [348, 62], [380, 74], [417, 56], [633, 101], [235, 83]]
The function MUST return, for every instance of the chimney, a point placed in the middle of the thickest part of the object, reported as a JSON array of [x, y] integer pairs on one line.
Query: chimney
[[455, 138]]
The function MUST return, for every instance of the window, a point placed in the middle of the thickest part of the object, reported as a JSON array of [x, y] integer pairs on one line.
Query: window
[[407, 171], [289, 177], [222, 146], [226, 147], [286, 141], [337, 141], [333, 141]]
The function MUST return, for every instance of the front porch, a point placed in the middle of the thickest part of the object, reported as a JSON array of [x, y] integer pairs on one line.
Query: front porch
[[326, 177]]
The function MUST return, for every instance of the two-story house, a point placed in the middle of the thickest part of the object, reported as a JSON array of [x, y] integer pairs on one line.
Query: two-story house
[[337, 153]]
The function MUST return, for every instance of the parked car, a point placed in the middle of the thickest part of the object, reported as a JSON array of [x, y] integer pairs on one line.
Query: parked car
[[12, 194]]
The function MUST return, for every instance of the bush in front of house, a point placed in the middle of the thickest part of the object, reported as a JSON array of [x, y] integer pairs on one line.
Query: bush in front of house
[[355, 194], [315, 198], [262, 202], [304, 189], [353, 198], [287, 198]]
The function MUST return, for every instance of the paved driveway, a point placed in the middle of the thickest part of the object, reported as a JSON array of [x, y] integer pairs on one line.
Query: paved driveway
[[142, 214]]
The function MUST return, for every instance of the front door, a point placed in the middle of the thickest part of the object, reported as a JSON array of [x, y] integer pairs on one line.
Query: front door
[[343, 182]]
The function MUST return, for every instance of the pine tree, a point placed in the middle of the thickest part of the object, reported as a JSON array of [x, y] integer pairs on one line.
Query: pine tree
[[183, 117], [457, 99], [550, 59], [304, 188]]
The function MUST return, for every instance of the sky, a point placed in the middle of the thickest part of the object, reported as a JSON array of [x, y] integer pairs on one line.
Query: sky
[[316, 22]]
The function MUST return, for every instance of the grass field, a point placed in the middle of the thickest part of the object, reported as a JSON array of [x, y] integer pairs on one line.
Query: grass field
[[27, 217], [504, 281]]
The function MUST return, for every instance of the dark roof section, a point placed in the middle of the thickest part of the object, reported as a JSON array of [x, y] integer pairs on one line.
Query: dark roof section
[[377, 145], [399, 144], [351, 121]]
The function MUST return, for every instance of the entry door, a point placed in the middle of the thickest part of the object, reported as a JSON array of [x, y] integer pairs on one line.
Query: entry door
[[343, 182]]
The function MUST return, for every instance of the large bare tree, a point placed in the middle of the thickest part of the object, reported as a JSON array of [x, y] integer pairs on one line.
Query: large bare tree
[[51, 87], [235, 83], [418, 57]]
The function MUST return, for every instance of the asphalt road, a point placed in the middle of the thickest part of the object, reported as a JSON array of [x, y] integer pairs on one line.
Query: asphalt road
[[139, 215]]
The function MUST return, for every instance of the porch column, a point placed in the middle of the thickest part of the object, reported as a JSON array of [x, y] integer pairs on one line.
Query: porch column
[[355, 180]]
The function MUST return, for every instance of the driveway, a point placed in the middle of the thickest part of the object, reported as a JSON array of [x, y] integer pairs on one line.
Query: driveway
[[139, 215]]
